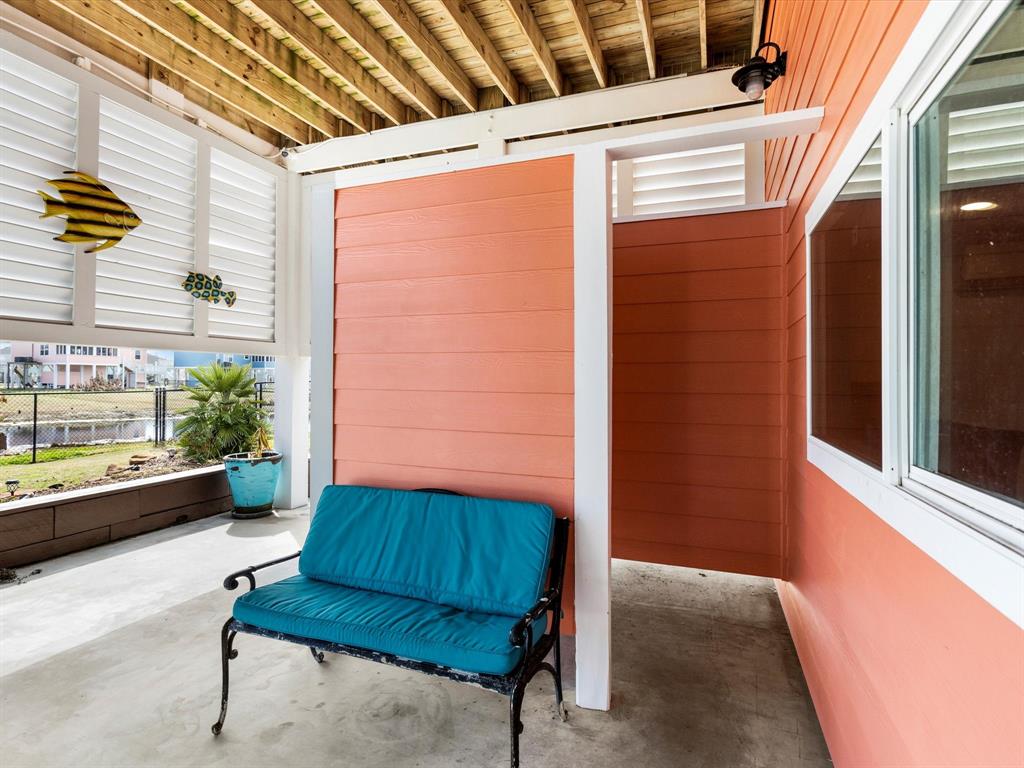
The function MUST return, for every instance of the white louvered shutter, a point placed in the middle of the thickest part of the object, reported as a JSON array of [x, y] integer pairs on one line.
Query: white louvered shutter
[[686, 181], [243, 239], [153, 169], [38, 135]]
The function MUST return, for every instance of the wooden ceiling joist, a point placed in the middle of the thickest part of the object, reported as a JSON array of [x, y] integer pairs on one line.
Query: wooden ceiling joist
[[107, 46], [588, 39], [264, 46], [528, 26], [139, 36], [478, 40], [173, 22], [643, 10], [361, 32], [702, 9], [300, 28], [404, 18]]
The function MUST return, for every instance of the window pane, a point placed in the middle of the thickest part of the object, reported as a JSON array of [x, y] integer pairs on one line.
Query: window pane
[[846, 316], [969, 280]]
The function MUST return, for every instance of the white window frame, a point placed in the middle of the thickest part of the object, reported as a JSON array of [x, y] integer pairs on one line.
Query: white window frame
[[978, 537]]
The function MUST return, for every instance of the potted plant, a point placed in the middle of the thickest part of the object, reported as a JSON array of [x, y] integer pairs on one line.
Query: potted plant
[[224, 422]]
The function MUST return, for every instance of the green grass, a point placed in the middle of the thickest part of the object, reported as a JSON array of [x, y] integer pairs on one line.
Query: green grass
[[68, 465]]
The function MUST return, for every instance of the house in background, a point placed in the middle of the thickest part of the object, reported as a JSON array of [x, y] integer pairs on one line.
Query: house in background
[[62, 366], [182, 362]]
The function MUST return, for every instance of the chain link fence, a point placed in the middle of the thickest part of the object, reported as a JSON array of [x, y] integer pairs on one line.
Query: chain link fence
[[46, 425]]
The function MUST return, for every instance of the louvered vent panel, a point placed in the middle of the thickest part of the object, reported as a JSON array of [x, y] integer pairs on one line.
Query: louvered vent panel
[[243, 238], [687, 181], [38, 130], [986, 144], [153, 169], [866, 181]]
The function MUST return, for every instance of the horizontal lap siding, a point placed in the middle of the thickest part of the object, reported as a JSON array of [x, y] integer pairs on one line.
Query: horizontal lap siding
[[697, 392], [906, 665], [453, 334]]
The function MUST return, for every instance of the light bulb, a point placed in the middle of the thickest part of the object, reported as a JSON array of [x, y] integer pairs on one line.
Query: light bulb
[[754, 87]]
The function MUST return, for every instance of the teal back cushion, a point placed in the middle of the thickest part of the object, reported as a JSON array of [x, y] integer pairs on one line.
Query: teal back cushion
[[483, 555]]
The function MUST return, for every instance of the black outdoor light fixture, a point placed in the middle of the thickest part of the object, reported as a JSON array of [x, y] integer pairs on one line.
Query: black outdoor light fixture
[[754, 77]]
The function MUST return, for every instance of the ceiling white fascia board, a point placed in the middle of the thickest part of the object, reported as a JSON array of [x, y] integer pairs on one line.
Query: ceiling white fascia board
[[59, 333], [635, 101], [795, 122]]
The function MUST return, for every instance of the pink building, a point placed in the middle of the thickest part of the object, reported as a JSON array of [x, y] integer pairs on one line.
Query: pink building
[[68, 365]]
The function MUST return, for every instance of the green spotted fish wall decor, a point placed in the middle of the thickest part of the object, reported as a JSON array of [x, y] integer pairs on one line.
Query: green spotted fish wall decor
[[94, 213], [208, 288]]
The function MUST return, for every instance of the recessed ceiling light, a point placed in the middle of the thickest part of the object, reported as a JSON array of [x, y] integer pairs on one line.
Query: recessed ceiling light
[[982, 205]]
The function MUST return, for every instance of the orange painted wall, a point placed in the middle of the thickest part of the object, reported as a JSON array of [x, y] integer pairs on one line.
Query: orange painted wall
[[697, 392], [906, 665], [453, 334]]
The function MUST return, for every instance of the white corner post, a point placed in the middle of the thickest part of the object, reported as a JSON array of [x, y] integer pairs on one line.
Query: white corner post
[[317, 247], [291, 429], [592, 242]]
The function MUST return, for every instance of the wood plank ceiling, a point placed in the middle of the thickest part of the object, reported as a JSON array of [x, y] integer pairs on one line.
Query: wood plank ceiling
[[298, 71]]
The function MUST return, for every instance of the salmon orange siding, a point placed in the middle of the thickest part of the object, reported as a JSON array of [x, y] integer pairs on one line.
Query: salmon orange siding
[[697, 392], [907, 666], [454, 334]]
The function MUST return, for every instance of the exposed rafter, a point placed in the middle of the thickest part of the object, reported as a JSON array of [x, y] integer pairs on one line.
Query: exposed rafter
[[643, 10], [264, 46], [755, 34], [137, 35], [585, 30], [361, 32], [478, 40], [702, 8], [296, 25], [184, 30], [107, 46], [527, 23], [403, 17]]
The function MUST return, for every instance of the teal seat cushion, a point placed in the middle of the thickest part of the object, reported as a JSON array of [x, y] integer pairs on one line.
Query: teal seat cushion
[[482, 555], [406, 627]]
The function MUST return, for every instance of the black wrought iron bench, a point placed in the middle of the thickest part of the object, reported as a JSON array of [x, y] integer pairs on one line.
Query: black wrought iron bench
[[454, 586]]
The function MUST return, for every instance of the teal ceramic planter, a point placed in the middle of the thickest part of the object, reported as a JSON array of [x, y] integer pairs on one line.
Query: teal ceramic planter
[[253, 482]]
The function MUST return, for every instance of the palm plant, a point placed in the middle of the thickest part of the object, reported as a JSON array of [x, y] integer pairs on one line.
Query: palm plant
[[223, 417]]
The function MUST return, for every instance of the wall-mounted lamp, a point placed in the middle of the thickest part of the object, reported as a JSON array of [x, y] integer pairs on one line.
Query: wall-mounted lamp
[[754, 77]]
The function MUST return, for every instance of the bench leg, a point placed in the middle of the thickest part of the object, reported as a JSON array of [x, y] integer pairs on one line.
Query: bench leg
[[227, 638], [563, 714], [317, 655], [515, 702]]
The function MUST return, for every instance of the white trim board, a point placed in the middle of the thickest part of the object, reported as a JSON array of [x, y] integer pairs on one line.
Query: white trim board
[[636, 101], [976, 549], [701, 212]]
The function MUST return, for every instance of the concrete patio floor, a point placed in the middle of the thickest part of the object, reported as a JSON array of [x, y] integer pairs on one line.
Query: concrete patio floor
[[111, 658]]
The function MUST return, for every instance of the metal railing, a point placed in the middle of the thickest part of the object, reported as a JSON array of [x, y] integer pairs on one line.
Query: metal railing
[[56, 424]]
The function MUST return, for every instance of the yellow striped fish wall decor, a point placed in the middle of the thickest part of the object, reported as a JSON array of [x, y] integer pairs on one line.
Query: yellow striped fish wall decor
[[94, 213]]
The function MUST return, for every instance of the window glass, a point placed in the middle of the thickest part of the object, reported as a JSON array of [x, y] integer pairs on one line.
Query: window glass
[[846, 316], [968, 386]]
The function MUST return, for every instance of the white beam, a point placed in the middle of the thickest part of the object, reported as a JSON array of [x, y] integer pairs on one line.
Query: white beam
[[318, 250], [291, 429], [753, 172], [592, 407], [794, 123], [636, 101]]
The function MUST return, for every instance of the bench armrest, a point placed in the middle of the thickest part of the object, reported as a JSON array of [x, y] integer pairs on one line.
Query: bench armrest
[[518, 635], [231, 582]]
